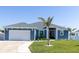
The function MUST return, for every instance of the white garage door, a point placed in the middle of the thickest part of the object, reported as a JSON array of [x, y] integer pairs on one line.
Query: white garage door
[[19, 35]]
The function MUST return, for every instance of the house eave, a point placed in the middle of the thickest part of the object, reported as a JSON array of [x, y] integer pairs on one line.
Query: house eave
[[21, 27]]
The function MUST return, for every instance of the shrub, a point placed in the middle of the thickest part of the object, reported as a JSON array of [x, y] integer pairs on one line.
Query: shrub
[[42, 39]]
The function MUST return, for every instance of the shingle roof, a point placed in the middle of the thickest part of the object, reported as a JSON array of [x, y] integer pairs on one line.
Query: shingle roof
[[37, 25], [54, 25], [77, 31], [18, 25]]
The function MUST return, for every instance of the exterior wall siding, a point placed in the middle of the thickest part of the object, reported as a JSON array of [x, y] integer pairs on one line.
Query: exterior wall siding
[[6, 34], [65, 36], [45, 35], [32, 34], [37, 34]]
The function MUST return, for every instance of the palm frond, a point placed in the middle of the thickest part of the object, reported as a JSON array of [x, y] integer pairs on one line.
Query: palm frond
[[69, 29], [49, 20], [42, 19], [73, 29], [46, 22]]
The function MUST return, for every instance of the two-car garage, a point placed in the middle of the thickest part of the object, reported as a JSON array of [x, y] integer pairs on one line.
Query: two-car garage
[[19, 35], [20, 32]]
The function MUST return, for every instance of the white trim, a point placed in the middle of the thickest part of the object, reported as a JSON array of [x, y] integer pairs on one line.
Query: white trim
[[69, 35], [56, 33], [34, 34], [4, 35], [22, 27]]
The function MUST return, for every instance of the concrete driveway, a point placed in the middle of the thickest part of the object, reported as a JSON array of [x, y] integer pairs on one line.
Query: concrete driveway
[[14, 46]]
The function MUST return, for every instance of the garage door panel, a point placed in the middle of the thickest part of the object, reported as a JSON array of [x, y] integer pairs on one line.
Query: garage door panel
[[19, 35]]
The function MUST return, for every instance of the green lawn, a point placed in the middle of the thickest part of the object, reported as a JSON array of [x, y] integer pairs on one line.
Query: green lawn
[[59, 46]]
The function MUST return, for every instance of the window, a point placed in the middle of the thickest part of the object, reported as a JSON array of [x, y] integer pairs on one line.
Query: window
[[73, 34], [41, 34], [61, 33], [77, 34]]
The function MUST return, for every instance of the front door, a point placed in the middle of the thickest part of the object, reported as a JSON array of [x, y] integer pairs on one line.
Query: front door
[[52, 33]]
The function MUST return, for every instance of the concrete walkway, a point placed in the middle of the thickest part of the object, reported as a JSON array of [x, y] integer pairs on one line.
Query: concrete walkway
[[25, 47], [14, 46]]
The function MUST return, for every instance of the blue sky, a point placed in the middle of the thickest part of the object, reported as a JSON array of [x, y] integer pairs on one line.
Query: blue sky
[[63, 16]]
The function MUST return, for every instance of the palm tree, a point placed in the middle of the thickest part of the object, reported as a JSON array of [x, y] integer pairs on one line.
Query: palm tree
[[47, 23], [1, 30], [71, 30]]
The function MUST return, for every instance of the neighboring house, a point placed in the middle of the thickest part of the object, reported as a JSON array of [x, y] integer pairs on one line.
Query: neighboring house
[[73, 36], [2, 36], [77, 35], [34, 31]]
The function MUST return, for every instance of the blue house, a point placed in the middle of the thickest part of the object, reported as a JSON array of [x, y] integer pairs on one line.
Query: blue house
[[34, 31]]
